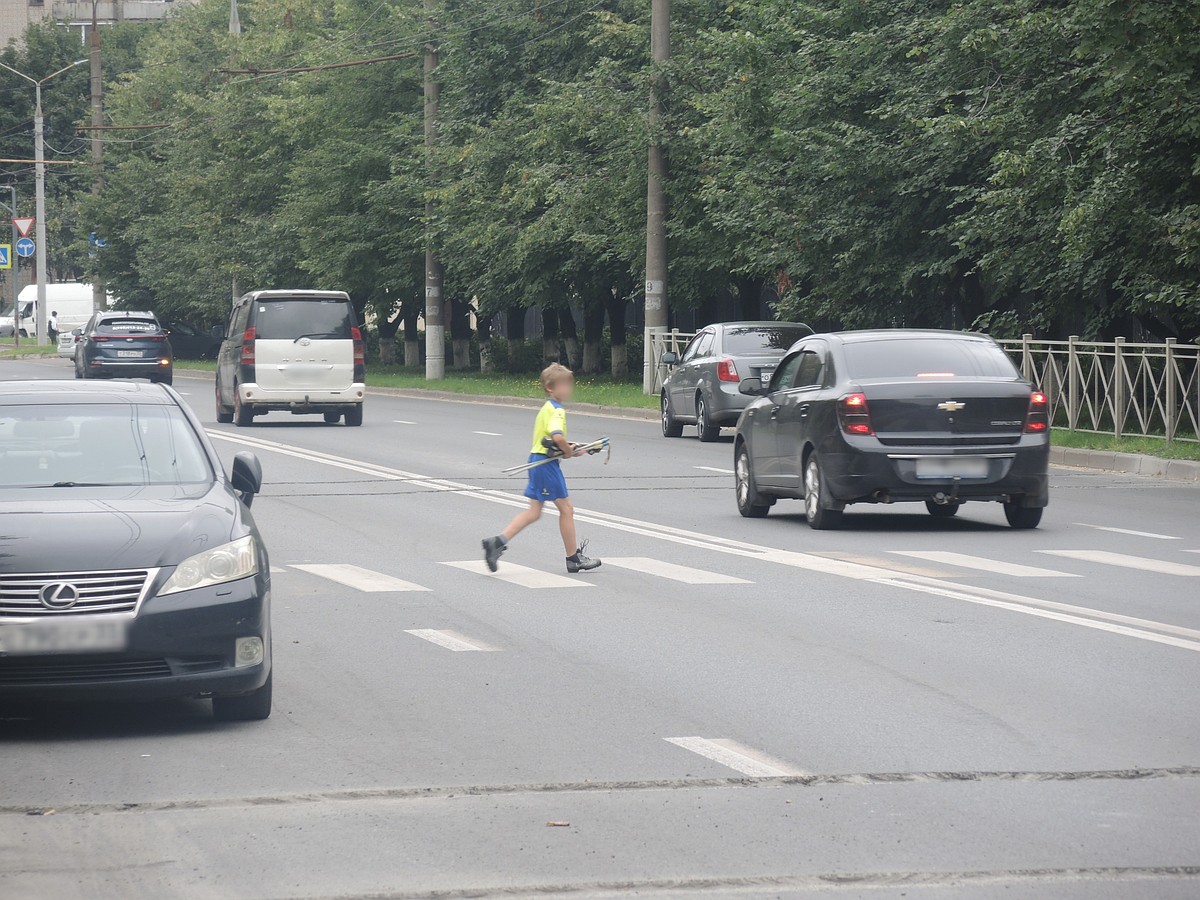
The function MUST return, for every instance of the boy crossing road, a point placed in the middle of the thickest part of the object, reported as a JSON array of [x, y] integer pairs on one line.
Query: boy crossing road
[[546, 482]]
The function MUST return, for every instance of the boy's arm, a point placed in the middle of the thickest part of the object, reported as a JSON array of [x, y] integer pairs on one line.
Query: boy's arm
[[565, 447]]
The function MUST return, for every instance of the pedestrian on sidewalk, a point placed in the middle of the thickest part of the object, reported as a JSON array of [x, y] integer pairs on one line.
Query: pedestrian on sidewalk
[[546, 481], [52, 326]]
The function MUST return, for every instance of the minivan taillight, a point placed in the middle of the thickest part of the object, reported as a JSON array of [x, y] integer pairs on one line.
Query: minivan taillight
[[727, 371], [1038, 419], [855, 415], [360, 355], [248, 346]]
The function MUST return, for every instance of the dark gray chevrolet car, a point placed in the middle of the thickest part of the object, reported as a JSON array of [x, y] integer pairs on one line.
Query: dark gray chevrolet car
[[130, 566], [702, 387]]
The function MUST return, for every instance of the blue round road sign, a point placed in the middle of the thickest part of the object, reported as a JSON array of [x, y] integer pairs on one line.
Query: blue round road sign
[[25, 247]]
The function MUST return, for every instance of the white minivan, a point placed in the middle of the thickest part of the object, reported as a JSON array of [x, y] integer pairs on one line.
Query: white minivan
[[293, 351]]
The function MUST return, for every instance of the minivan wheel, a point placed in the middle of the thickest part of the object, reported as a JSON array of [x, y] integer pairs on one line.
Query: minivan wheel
[[750, 503], [354, 415], [243, 416], [816, 498], [671, 427], [224, 413], [332, 418], [254, 706], [1022, 516], [705, 430]]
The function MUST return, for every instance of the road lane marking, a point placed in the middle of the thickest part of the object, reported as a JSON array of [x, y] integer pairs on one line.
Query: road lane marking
[[276, 570], [685, 574], [360, 579], [1130, 531], [714, 469], [889, 565], [1141, 563], [983, 564], [403, 422], [710, 543], [451, 640], [1045, 609], [736, 756], [488, 433], [520, 575]]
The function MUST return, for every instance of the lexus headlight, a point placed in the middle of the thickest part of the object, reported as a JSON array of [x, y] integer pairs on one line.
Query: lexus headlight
[[229, 562]]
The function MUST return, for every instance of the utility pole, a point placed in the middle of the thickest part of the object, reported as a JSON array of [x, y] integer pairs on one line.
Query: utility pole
[[14, 274], [98, 299], [656, 193], [435, 327]]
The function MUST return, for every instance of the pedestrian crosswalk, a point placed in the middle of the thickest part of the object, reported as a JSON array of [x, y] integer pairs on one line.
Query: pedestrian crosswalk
[[941, 565]]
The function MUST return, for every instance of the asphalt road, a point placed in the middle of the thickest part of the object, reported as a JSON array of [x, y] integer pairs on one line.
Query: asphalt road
[[729, 707]]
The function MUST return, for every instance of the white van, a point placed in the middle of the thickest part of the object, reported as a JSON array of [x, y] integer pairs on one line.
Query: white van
[[72, 300], [294, 351]]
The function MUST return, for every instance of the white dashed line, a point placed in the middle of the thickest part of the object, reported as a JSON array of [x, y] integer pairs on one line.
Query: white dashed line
[[714, 469], [736, 756], [1129, 531], [520, 575], [962, 560], [685, 574], [451, 640], [403, 422], [360, 579], [1104, 557], [488, 433]]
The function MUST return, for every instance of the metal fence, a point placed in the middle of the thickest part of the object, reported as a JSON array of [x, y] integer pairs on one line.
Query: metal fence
[[1118, 388]]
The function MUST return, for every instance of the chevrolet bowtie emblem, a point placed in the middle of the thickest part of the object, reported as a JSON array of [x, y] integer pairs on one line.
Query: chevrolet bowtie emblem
[[951, 406]]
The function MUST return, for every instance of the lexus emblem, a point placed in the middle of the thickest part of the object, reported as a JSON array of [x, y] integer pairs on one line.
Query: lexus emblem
[[951, 406], [59, 595]]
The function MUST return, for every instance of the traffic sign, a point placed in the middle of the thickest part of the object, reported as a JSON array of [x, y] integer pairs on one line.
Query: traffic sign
[[25, 248], [24, 224], [5, 256]]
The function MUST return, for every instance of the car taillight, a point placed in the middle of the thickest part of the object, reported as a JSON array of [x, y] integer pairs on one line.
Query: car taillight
[[855, 415], [157, 338], [1038, 419], [727, 371], [360, 355], [98, 338], [248, 346]]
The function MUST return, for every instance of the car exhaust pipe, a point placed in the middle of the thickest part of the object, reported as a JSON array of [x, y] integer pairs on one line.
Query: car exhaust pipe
[[881, 496]]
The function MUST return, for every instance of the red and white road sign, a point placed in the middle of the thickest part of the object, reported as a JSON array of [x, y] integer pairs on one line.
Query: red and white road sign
[[24, 224]]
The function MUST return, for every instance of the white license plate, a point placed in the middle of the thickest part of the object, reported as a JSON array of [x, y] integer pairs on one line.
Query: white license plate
[[39, 638], [125, 354], [952, 467]]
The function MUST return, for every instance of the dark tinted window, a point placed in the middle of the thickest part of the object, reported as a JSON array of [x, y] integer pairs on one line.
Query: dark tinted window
[[286, 320], [763, 339], [812, 370], [927, 357], [785, 375], [99, 444], [127, 326]]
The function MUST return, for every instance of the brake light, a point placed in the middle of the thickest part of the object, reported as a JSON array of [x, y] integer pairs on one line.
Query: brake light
[[1038, 419], [727, 371], [98, 338], [360, 355], [855, 414], [248, 346]]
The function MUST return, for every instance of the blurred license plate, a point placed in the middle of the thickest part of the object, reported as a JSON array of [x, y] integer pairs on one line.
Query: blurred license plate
[[952, 467], [137, 354], [38, 638]]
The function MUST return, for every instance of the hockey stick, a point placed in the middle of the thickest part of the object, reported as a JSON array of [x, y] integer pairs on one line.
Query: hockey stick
[[591, 448]]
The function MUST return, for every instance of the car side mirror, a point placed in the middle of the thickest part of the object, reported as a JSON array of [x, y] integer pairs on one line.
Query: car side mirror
[[670, 359], [218, 333], [246, 477], [78, 332], [752, 387]]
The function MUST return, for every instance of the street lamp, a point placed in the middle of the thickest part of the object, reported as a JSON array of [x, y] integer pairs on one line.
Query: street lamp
[[39, 158]]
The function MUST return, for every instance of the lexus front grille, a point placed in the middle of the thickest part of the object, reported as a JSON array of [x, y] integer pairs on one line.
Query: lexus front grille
[[39, 595]]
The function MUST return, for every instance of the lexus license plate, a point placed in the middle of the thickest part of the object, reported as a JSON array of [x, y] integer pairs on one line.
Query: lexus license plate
[[126, 354], [38, 638], [952, 467]]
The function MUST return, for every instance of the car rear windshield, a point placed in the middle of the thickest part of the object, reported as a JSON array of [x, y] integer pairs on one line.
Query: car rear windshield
[[763, 339], [904, 358], [127, 326], [287, 320], [99, 444]]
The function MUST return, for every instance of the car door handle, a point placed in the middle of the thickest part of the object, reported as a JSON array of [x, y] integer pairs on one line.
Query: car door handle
[[803, 410], [774, 412]]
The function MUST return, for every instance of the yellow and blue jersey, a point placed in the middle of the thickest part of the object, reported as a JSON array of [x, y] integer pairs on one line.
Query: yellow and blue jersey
[[551, 420]]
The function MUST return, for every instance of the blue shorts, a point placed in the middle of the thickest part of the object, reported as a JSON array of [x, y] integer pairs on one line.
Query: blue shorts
[[546, 482]]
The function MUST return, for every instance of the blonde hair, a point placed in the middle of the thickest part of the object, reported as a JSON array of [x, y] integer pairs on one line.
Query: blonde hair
[[553, 374]]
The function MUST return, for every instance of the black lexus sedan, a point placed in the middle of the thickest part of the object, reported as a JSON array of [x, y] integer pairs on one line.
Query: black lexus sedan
[[130, 565], [939, 417], [124, 345]]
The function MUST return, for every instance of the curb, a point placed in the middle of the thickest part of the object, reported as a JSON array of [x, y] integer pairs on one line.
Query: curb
[[1126, 463]]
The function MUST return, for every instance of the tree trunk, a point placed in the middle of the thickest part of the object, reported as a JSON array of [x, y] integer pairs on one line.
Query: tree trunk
[[616, 325], [593, 335], [570, 337], [460, 333], [483, 332], [409, 313], [387, 338], [550, 336], [515, 329]]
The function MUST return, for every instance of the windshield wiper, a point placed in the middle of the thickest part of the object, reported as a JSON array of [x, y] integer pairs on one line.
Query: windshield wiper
[[315, 334], [63, 484]]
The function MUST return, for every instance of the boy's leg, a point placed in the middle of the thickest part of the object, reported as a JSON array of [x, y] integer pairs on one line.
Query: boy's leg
[[566, 524], [494, 547]]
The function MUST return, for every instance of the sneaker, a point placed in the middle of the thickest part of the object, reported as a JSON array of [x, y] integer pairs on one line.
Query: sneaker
[[581, 563], [493, 549]]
